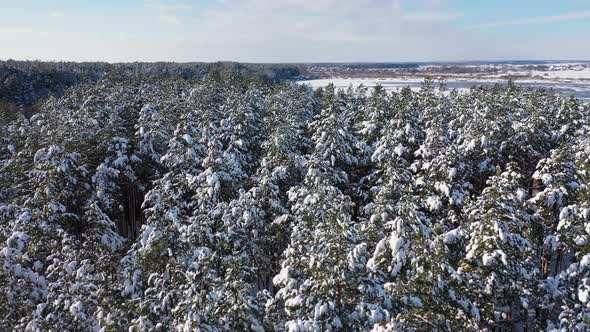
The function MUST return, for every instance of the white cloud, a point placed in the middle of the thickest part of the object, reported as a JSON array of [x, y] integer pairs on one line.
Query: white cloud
[[431, 16], [86, 46], [168, 13], [173, 7], [328, 30], [296, 31], [176, 7], [56, 14], [536, 20], [169, 19]]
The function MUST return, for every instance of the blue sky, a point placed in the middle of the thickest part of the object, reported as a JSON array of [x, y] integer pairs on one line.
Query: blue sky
[[294, 30]]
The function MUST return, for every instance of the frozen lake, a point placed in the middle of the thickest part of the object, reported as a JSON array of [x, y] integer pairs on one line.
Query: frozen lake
[[581, 89]]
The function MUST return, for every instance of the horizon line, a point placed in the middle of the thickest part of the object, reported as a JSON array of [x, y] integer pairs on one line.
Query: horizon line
[[299, 62]]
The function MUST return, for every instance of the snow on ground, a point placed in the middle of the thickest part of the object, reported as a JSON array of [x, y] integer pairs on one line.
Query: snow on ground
[[575, 74], [562, 72], [579, 89], [389, 84]]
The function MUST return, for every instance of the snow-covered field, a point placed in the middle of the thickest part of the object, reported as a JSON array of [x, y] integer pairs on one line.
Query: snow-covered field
[[580, 89], [568, 73], [562, 77], [393, 84]]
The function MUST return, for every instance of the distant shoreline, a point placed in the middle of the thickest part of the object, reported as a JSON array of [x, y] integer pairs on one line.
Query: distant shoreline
[[556, 71]]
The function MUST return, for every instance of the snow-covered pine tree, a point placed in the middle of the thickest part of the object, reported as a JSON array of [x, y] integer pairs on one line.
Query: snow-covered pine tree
[[157, 261], [374, 116], [568, 285], [152, 133], [556, 186], [44, 250], [316, 290], [333, 139], [499, 266], [241, 134]]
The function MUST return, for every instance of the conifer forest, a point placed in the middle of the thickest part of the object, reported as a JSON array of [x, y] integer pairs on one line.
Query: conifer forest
[[223, 201]]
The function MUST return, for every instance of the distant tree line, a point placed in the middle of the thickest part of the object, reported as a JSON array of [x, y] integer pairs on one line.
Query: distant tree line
[[25, 83]]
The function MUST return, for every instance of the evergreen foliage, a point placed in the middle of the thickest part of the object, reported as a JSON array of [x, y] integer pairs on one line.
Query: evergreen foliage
[[223, 203]]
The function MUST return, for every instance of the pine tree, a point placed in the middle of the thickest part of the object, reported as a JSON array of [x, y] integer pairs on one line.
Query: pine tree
[[315, 288], [333, 140], [499, 264], [374, 116], [157, 261], [566, 290]]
